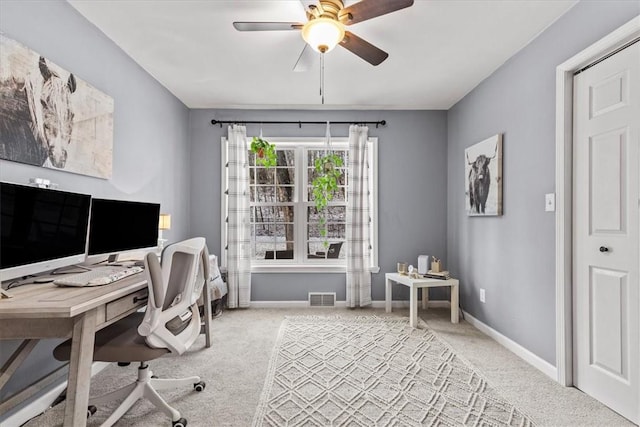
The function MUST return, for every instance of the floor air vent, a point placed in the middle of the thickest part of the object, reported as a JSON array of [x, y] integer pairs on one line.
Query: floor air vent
[[322, 299]]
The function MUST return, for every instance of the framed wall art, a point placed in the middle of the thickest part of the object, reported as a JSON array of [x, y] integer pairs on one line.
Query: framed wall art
[[483, 177], [51, 118]]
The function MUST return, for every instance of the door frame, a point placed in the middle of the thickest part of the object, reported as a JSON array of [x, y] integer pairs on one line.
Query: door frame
[[564, 187]]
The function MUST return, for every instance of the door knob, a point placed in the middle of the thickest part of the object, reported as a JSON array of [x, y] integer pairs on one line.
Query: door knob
[[604, 249]]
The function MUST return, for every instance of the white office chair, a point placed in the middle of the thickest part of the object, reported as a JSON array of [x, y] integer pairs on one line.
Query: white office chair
[[170, 324]]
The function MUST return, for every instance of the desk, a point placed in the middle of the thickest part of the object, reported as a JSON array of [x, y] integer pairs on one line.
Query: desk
[[413, 285], [50, 311]]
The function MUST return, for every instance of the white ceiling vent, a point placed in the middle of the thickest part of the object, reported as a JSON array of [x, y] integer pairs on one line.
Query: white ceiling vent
[[322, 299]]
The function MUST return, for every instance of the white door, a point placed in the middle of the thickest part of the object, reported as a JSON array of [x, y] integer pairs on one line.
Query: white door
[[606, 231]]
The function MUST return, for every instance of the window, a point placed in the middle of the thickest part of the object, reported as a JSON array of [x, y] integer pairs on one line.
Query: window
[[286, 229]]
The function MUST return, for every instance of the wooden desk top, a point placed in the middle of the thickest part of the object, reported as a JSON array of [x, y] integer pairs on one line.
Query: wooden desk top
[[51, 301]]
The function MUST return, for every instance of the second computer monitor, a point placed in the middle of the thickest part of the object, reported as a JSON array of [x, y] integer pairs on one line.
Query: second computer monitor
[[118, 226]]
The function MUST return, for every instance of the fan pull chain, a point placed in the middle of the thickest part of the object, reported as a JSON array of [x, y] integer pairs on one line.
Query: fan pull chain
[[322, 77]]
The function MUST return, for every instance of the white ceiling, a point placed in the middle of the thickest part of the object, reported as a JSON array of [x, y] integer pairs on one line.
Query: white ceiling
[[438, 50]]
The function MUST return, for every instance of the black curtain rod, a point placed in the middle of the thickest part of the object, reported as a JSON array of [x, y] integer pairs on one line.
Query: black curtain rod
[[299, 123]]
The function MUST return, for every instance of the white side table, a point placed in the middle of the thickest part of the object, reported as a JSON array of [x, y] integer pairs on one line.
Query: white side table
[[413, 285]]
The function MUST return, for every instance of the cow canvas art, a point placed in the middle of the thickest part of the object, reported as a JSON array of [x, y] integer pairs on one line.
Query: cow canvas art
[[483, 177], [51, 118]]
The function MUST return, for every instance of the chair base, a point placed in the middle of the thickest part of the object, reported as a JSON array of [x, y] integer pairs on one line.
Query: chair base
[[145, 387]]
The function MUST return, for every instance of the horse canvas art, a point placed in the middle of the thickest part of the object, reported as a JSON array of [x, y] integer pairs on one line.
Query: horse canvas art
[[483, 177], [51, 118]]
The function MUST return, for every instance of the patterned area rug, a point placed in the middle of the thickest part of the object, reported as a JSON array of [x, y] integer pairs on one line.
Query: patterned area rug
[[374, 371]]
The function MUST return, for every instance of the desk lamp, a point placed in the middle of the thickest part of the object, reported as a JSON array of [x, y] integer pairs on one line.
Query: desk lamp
[[163, 224]]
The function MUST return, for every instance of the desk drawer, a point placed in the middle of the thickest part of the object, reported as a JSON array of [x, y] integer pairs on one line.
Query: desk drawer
[[127, 303]]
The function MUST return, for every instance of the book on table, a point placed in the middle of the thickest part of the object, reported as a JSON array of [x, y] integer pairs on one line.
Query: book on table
[[442, 275]]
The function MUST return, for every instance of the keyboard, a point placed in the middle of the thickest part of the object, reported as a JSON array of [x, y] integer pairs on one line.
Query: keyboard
[[98, 276]]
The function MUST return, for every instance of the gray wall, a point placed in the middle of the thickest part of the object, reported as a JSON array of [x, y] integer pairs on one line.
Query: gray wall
[[150, 142], [412, 189], [513, 256]]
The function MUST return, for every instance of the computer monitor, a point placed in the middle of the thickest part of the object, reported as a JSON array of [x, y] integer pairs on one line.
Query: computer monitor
[[41, 229], [118, 226]]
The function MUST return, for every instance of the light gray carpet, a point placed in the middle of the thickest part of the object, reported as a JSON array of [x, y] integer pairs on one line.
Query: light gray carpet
[[235, 369], [370, 370]]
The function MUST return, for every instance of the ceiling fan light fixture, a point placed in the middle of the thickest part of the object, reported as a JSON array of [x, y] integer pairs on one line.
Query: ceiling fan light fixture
[[323, 34]]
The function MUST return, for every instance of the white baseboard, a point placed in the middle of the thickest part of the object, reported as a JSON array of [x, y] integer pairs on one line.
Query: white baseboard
[[42, 402], [290, 304], [341, 304], [526, 355]]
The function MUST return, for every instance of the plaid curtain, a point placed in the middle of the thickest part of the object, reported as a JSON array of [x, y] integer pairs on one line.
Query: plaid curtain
[[358, 219], [238, 220]]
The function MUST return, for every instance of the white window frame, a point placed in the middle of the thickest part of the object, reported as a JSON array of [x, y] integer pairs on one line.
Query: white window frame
[[305, 265]]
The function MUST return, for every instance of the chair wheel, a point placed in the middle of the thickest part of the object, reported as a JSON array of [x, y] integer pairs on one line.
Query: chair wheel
[[182, 422], [199, 386], [91, 409], [154, 376]]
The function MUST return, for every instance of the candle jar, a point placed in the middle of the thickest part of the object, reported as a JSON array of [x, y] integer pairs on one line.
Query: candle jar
[[402, 268]]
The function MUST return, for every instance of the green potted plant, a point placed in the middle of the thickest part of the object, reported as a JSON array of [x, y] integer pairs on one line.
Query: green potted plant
[[324, 185], [264, 151]]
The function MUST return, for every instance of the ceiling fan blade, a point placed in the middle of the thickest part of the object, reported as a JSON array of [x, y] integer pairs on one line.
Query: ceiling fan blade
[[367, 9], [363, 49], [267, 26], [306, 60]]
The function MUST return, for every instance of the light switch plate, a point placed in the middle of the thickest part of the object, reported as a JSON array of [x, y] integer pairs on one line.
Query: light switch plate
[[550, 202]]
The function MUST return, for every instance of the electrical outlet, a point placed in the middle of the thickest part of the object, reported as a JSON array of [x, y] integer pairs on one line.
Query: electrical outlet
[[482, 295], [550, 202]]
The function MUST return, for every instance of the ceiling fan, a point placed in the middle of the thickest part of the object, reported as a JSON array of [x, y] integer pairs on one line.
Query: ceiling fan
[[325, 24]]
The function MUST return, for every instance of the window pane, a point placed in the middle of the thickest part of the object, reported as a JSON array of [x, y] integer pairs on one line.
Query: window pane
[[290, 233], [272, 214], [286, 194], [285, 157], [264, 232], [285, 176], [334, 214], [312, 155], [265, 194], [262, 176], [331, 250], [340, 195], [312, 215], [311, 175], [279, 231], [313, 232], [334, 231], [315, 247]]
